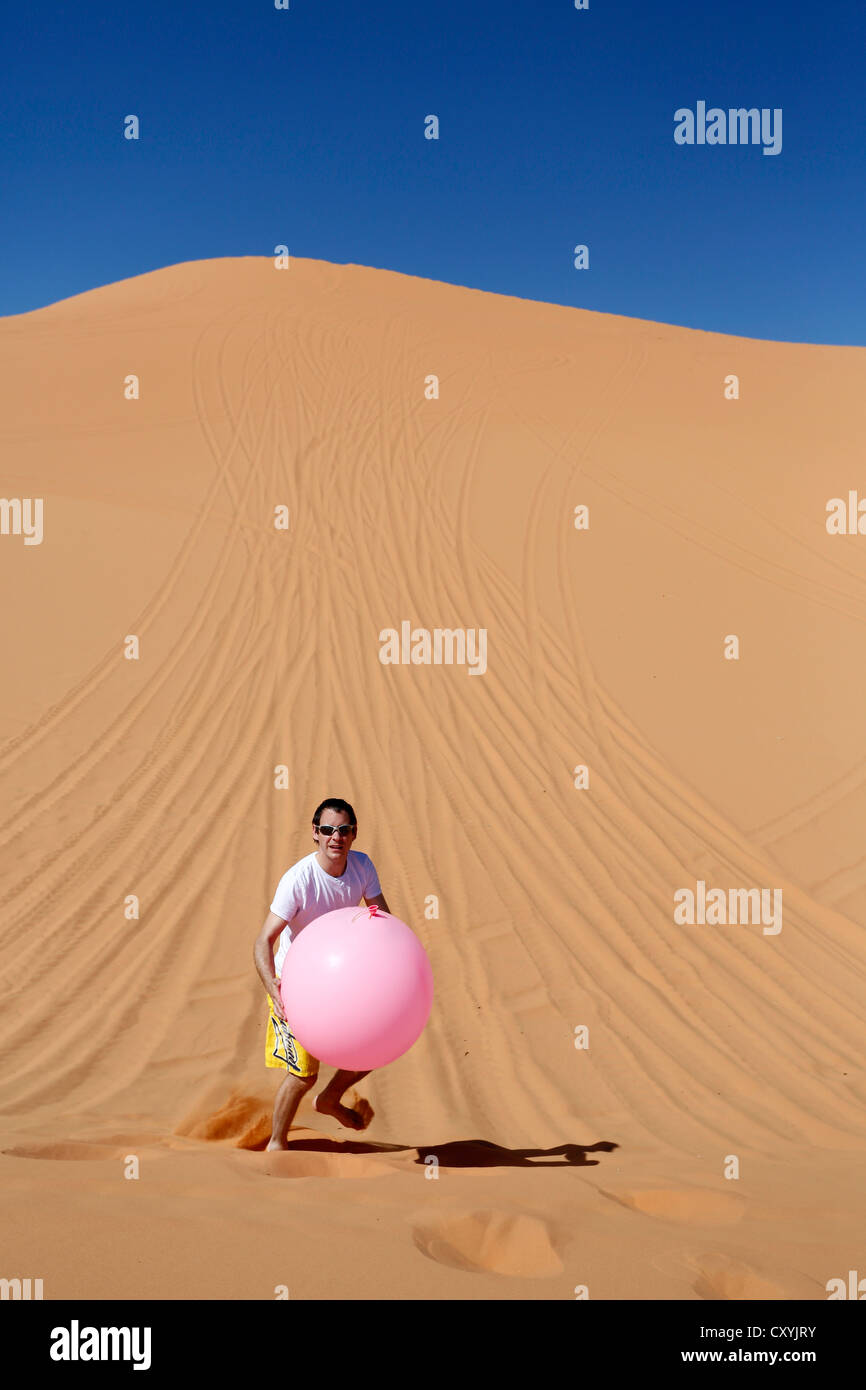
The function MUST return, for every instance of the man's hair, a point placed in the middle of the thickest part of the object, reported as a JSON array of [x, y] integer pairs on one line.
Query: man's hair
[[334, 803]]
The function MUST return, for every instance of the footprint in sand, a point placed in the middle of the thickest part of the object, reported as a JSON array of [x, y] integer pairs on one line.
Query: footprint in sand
[[64, 1150], [720, 1277], [490, 1242], [693, 1206], [307, 1163]]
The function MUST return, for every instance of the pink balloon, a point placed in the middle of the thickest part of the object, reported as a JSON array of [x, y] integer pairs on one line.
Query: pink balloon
[[357, 988]]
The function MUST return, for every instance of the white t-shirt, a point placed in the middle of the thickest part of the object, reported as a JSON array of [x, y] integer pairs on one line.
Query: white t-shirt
[[305, 892]]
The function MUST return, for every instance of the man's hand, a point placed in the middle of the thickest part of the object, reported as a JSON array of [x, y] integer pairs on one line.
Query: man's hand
[[263, 955]]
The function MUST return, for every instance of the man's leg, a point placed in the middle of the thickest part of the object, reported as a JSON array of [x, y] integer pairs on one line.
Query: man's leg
[[327, 1102], [286, 1102]]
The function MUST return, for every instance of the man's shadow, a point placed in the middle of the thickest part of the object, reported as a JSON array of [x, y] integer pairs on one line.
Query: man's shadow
[[467, 1153]]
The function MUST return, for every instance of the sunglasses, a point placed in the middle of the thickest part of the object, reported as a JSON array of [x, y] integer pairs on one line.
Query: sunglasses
[[341, 830]]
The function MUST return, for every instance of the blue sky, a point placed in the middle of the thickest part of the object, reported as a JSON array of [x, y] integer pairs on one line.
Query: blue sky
[[306, 127]]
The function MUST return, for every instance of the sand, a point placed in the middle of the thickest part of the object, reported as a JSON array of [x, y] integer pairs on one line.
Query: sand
[[135, 1043]]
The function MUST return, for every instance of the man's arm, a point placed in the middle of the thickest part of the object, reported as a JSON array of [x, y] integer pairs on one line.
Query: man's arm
[[379, 900], [263, 955]]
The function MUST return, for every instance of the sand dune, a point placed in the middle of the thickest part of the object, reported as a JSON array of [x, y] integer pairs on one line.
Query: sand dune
[[259, 648]]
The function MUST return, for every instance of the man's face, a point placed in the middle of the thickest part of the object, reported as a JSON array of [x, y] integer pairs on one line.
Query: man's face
[[334, 849]]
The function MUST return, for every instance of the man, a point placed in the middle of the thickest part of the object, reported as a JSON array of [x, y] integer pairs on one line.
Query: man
[[333, 876]]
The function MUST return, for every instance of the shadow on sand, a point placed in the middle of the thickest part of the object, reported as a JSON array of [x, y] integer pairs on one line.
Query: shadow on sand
[[466, 1153]]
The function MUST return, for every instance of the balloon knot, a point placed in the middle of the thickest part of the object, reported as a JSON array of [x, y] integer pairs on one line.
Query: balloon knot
[[373, 909]]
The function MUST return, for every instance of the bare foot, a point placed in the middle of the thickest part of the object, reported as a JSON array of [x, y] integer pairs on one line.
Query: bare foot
[[275, 1144], [357, 1118]]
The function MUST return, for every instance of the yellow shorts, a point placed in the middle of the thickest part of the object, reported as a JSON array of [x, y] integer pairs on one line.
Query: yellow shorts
[[283, 1050]]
